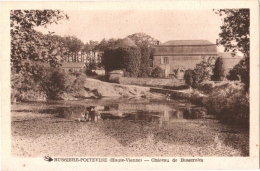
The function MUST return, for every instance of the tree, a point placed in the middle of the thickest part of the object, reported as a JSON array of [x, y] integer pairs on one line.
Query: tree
[[27, 45], [240, 72], [74, 45], [219, 71], [59, 45], [146, 44], [235, 35], [142, 39], [127, 59], [202, 72], [53, 83]]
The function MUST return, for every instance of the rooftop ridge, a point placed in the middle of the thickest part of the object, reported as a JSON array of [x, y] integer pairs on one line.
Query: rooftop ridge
[[187, 42]]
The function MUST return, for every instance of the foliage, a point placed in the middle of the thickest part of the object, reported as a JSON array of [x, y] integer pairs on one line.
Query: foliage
[[235, 30], [53, 83], [142, 39], [219, 71], [240, 72], [27, 45], [75, 83], [73, 45], [235, 36], [229, 103], [146, 44], [145, 68], [157, 72], [188, 77], [127, 59], [49, 83], [206, 86], [202, 72]]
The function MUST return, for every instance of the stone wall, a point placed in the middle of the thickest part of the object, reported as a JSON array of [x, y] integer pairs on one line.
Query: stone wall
[[151, 82]]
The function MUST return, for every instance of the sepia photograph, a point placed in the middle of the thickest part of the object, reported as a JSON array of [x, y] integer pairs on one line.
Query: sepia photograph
[[131, 85]]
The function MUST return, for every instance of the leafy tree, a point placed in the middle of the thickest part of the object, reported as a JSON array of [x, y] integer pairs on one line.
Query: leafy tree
[[240, 72], [74, 45], [59, 45], [235, 35], [103, 45], [202, 72], [127, 59], [219, 71], [53, 83], [146, 57], [146, 44], [27, 45], [142, 39]]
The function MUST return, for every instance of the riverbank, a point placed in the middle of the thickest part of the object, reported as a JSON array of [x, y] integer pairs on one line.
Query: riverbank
[[50, 135], [94, 88]]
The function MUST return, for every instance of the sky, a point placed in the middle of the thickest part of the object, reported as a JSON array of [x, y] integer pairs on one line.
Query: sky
[[162, 25]]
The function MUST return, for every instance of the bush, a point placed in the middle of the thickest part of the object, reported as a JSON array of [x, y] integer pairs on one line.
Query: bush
[[202, 72], [47, 83], [188, 77], [127, 59], [241, 72], [229, 102], [54, 83], [157, 72], [206, 86], [75, 83], [219, 71]]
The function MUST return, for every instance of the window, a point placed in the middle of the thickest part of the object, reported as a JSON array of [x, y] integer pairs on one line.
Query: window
[[164, 60]]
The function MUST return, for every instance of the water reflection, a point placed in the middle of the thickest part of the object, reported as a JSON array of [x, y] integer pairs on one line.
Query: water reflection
[[160, 114]]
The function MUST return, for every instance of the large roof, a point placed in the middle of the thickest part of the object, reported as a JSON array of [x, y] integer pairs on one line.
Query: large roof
[[126, 42], [186, 42]]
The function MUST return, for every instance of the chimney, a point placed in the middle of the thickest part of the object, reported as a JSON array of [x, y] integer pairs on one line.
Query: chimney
[[158, 43], [217, 42]]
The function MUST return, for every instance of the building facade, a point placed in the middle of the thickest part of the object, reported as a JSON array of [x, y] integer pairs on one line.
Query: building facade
[[185, 54]]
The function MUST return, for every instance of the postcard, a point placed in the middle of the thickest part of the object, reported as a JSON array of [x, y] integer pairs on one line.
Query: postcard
[[127, 85]]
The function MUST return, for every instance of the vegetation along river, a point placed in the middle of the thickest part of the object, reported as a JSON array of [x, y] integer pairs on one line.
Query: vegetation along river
[[122, 127]]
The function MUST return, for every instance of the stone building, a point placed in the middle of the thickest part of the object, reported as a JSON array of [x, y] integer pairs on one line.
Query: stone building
[[185, 54]]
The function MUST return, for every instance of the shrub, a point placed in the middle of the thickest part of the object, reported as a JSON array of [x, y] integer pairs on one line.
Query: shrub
[[219, 71], [196, 97], [206, 86], [202, 72], [240, 72], [188, 77], [229, 102], [121, 58], [54, 83], [157, 72], [75, 83]]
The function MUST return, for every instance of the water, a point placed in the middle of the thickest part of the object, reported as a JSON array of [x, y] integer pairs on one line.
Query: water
[[155, 113], [132, 123]]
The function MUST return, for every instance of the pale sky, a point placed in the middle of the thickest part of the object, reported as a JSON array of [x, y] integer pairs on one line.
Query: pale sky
[[163, 25]]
